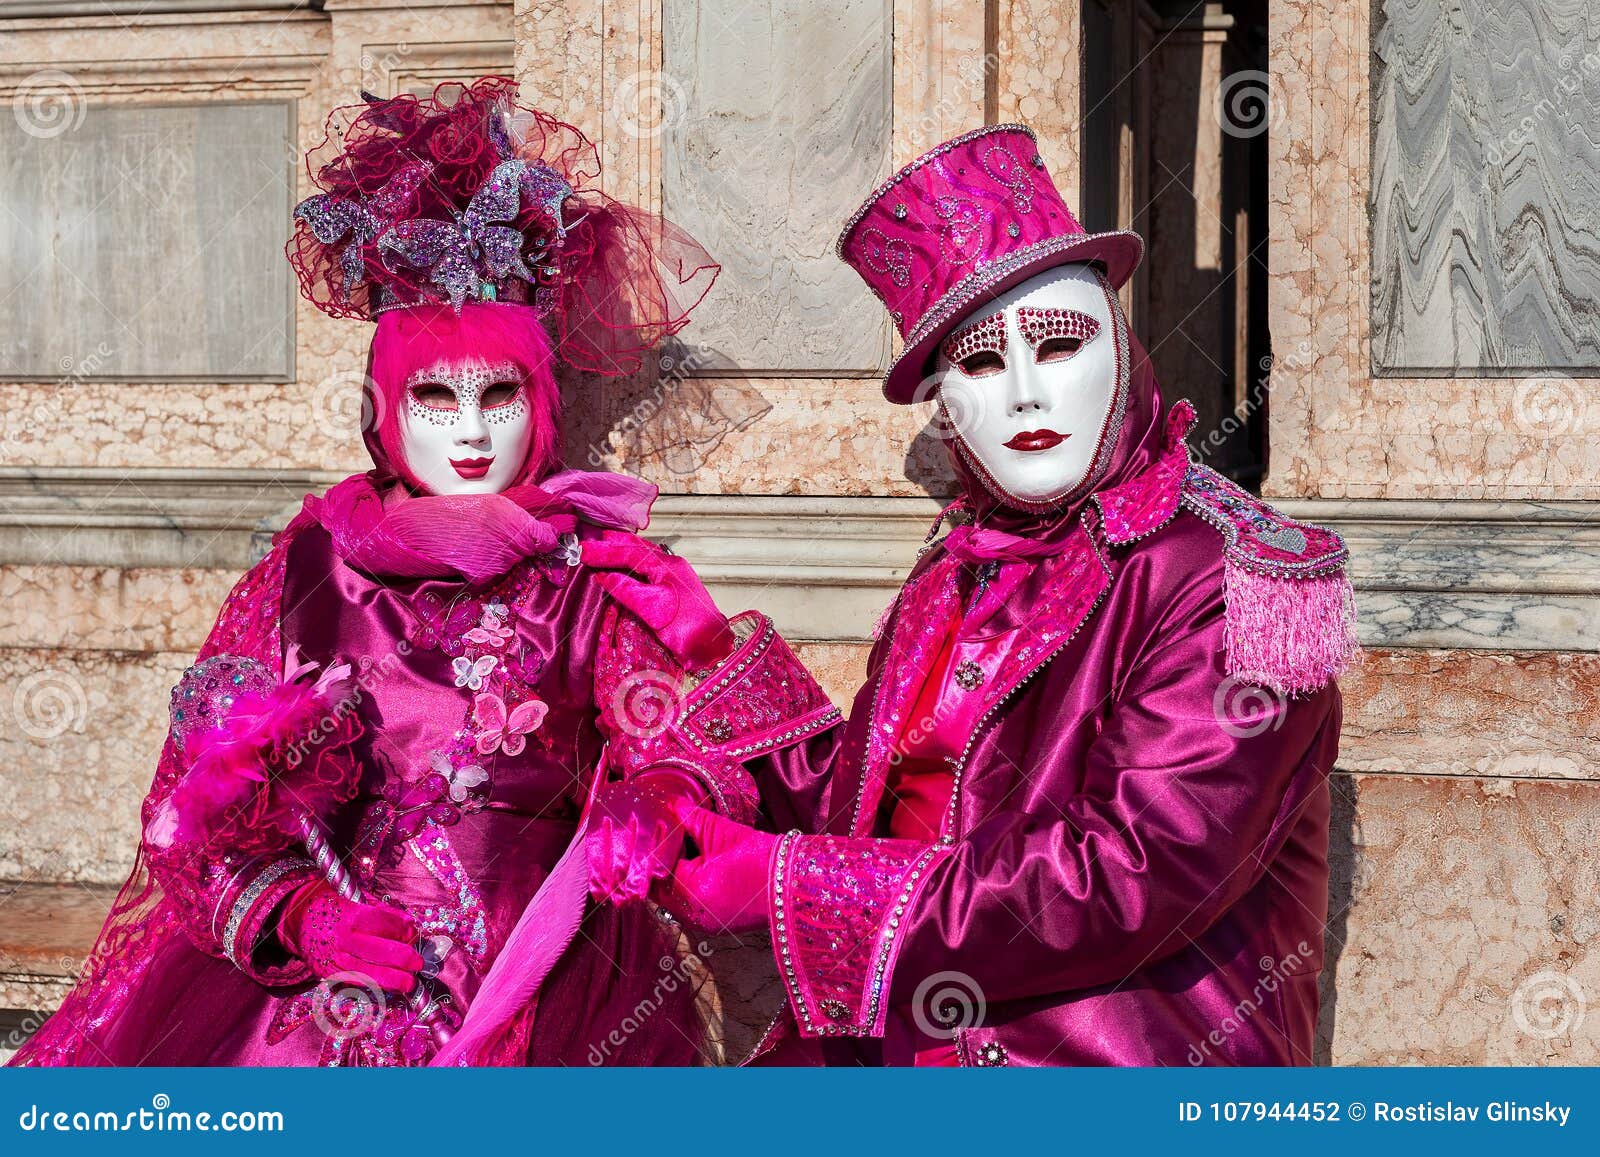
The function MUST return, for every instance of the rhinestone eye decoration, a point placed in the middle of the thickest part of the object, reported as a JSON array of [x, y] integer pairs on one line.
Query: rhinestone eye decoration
[[1039, 325], [468, 383], [987, 335]]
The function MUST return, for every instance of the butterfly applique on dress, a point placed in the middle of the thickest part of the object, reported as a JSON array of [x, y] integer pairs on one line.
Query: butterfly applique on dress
[[500, 730]]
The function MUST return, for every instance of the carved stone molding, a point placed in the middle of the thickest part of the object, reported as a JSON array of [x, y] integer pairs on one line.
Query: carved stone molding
[[1497, 575], [108, 9], [1515, 576]]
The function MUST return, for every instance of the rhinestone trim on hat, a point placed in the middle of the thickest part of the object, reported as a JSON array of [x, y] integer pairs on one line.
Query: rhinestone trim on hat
[[926, 158], [1001, 164], [965, 293], [886, 255]]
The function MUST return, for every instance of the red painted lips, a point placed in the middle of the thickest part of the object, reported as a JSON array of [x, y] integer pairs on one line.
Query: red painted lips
[[472, 467], [1036, 440]]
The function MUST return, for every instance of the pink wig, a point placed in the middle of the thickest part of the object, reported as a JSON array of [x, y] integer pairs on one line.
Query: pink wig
[[427, 336]]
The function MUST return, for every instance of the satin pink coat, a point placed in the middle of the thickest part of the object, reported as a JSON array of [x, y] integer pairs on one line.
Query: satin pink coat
[[1133, 866]]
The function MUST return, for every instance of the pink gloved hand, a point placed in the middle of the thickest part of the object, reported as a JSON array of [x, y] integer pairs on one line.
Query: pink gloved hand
[[334, 935], [636, 835], [725, 885], [665, 593]]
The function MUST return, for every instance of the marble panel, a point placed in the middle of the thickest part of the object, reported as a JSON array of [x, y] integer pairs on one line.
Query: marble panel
[[144, 241], [776, 124], [1335, 430], [1485, 187]]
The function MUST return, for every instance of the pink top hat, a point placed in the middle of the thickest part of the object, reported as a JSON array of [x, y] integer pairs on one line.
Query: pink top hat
[[959, 225]]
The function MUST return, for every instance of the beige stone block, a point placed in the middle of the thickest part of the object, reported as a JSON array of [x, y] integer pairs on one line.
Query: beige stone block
[[1473, 713], [942, 75], [1038, 65], [110, 609], [1462, 922], [841, 668], [80, 733]]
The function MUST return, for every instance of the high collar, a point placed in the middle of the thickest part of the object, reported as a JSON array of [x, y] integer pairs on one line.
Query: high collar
[[1148, 501]]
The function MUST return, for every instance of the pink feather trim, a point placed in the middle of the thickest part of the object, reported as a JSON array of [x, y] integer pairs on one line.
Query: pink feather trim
[[277, 755], [1293, 635]]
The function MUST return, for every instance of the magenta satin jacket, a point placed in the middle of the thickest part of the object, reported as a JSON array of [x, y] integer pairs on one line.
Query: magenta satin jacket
[[1133, 865]]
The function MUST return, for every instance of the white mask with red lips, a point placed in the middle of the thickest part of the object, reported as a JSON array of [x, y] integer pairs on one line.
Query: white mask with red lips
[[1032, 382], [466, 427]]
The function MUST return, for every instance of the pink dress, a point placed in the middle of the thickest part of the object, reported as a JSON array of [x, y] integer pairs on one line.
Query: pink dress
[[459, 819]]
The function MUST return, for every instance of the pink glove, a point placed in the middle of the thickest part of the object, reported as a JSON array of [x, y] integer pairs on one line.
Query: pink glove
[[666, 595], [636, 835], [335, 935], [725, 886]]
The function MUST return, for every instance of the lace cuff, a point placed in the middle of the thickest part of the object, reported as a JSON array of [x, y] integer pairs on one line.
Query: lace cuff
[[837, 903], [756, 701], [254, 900]]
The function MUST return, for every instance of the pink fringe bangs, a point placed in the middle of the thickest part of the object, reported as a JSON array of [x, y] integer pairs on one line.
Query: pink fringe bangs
[[426, 336]]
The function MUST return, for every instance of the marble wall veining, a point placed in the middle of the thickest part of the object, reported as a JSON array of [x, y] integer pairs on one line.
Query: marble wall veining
[[1336, 430], [1485, 187]]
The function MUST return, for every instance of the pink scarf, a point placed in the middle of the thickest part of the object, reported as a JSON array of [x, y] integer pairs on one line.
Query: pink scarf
[[976, 544], [391, 532]]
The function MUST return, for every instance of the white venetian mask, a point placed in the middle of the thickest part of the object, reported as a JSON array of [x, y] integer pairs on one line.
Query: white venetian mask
[[1029, 383], [465, 429]]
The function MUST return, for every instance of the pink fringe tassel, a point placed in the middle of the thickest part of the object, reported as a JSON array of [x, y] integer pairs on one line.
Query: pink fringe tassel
[[1292, 635]]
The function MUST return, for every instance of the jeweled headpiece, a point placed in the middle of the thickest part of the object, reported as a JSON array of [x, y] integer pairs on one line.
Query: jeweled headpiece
[[466, 195]]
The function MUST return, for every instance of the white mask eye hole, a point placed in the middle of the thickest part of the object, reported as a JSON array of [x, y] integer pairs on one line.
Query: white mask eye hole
[[435, 396], [1055, 335], [500, 394], [978, 350], [1057, 349], [982, 364]]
